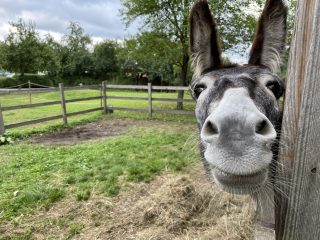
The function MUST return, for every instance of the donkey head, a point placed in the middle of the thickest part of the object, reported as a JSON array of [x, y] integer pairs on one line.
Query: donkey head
[[237, 110]]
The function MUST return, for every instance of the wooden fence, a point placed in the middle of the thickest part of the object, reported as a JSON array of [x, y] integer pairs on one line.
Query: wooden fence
[[103, 88], [298, 210]]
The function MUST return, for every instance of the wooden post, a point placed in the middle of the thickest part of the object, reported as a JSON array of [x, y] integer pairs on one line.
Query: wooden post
[[298, 217], [101, 95], [29, 85], [150, 100], [104, 97], [2, 129], [63, 104]]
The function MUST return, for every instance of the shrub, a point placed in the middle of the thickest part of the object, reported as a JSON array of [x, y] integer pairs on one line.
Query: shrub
[[5, 139]]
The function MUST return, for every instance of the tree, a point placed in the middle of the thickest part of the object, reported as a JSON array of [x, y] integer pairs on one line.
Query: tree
[[50, 61], [151, 53], [105, 59], [76, 59], [170, 17], [22, 48]]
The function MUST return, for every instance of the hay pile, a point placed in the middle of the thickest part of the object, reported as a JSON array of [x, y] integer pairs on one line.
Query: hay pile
[[181, 207]]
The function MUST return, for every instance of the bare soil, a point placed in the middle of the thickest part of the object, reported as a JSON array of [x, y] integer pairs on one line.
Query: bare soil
[[183, 206], [92, 131]]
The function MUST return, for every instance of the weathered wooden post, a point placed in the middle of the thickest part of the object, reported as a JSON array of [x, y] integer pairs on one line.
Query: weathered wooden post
[[63, 104], [29, 86], [104, 97], [298, 217], [150, 100], [2, 129]]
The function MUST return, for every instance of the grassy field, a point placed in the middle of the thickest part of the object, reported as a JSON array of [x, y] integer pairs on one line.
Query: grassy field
[[33, 177], [39, 112]]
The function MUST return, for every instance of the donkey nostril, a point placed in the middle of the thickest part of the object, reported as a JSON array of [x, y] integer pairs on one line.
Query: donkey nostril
[[262, 128], [210, 129]]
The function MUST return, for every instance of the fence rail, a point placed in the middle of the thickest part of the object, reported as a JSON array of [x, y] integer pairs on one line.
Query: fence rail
[[103, 97]]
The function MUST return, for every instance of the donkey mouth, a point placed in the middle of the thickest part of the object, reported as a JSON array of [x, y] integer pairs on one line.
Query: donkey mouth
[[240, 184]]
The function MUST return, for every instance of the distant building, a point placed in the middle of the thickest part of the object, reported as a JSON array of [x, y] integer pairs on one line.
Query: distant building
[[6, 74]]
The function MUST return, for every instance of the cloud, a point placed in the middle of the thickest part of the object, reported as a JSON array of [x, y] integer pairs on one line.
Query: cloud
[[99, 18]]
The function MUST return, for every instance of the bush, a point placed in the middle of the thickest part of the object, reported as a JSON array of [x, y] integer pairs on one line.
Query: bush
[[5, 139]]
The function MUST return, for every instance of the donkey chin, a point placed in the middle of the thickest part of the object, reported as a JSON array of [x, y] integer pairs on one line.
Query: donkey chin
[[239, 175]]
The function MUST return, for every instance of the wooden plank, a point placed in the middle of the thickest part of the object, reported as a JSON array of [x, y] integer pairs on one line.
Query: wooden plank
[[303, 213], [2, 128], [104, 97], [172, 100], [30, 105], [299, 57], [128, 87], [85, 111], [128, 98], [150, 100], [178, 112], [82, 99], [171, 88], [21, 124], [63, 104], [25, 91], [129, 109], [29, 84], [84, 87]]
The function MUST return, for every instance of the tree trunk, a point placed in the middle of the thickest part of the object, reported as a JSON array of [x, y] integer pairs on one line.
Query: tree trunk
[[183, 79]]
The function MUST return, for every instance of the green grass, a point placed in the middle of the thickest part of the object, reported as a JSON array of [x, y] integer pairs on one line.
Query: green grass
[[34, 176], [40, 112]]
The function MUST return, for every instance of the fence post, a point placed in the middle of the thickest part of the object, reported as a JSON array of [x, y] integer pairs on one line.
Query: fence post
[[104, 97], [101, 95], [29, 85], [63, 104], [2, 129], [150, 100]]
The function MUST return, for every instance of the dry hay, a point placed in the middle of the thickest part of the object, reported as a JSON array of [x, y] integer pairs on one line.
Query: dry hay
[[178, 207], [182, 207]]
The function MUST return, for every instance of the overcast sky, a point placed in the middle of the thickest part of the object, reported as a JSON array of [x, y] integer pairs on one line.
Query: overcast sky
[[100, 18]]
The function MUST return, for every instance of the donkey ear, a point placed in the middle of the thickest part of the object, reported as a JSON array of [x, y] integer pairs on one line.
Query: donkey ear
[[204, 45], [270, 37]]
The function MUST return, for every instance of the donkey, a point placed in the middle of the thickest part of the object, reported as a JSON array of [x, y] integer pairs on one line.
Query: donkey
[[237, 111]]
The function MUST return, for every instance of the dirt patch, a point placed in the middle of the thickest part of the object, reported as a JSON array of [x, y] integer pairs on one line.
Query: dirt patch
[[183, 206], [92, 131]]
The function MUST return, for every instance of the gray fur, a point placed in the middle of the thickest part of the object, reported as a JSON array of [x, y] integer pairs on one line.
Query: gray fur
[[237, 112]]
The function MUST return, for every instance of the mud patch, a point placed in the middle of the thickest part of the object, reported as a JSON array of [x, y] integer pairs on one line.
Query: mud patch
[[91, 131]]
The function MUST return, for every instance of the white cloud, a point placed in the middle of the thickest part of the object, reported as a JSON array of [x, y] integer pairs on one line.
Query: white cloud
[[99, 18]]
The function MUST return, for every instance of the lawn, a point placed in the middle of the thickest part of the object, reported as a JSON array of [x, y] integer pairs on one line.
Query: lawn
[[40, 112], [34, 176], [144, 181]]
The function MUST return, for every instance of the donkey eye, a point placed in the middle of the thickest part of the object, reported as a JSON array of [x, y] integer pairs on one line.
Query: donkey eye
[[275, 88], [198, 89]]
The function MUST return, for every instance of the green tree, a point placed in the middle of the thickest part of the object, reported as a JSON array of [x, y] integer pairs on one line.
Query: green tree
[[21, 51], [50, 61], [151, 53], [105, 59], [170, 17], [76, 59]]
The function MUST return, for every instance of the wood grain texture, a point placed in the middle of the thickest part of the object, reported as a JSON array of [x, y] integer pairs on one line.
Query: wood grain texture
[[104, 97], [299, 216], [63, 104], [40, 120], [2, 129], [150, 100]]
